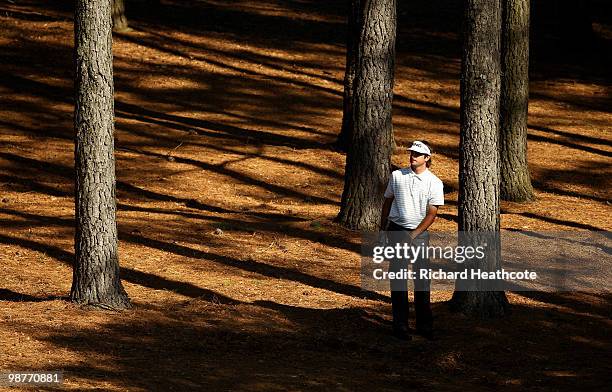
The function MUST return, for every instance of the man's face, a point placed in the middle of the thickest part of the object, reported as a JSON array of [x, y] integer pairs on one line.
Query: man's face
[[418, 159]]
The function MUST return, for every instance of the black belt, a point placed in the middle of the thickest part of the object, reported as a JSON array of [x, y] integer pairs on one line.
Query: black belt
[[392, 226]]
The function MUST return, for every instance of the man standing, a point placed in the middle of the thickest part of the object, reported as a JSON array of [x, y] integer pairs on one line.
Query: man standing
[[412, 198]]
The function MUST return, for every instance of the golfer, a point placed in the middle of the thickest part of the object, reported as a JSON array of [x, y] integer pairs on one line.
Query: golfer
[[412, 198]]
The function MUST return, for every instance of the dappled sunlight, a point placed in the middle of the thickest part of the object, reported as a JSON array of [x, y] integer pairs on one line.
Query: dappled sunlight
[[227, 188]]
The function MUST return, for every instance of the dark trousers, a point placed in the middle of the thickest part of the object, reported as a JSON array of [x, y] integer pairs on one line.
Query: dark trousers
[[399, 287]]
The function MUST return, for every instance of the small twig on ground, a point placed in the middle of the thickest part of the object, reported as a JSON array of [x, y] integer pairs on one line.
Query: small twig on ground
[[169, 152]]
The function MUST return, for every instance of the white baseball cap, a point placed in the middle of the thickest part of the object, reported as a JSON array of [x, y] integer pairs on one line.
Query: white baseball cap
[[418, 146]]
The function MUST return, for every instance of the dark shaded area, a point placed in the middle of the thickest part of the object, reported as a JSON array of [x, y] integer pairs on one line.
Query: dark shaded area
[[564, 44], [12, 296], [241, 20], [335, 342], [601, 307], [452, 218]]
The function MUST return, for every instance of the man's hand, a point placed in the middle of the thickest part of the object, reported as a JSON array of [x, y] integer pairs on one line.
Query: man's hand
[[412, 235], [432, 211]]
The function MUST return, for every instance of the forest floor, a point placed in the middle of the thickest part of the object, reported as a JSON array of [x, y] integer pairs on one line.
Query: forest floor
[[225, 112]]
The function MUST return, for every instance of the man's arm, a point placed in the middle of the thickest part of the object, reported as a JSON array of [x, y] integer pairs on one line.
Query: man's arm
[[385, 212], [432, 211]]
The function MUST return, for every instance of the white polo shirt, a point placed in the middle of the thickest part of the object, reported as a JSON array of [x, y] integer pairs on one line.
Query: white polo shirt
[[412, 194]]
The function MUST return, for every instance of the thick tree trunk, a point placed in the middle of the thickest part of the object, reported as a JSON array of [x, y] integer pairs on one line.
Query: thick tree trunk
[[515, 178], [96, 269], [344, 138], [479, 153], [120, 22], [368, 161]]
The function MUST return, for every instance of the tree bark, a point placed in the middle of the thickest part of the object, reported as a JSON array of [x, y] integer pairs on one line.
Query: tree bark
[[344, 138], [368, 161], [479, 165], [515, 178], [96, 279], [120, 22]]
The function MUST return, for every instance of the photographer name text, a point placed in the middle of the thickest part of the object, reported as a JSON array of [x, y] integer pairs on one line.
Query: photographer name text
[[428, 273]]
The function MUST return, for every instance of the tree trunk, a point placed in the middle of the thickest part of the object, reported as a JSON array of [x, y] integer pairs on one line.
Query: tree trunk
[[120, 22], [479, 164], [96, 269], [344, 138], [515, 178], [368, 161]]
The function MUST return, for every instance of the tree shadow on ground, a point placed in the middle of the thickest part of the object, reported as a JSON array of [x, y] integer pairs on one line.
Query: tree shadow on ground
[[153, 281], [141, 278], [268, 222], [585, 303], [13, 296], [556, 221], [222, 343], [220, 131], [556, 181], [573, 136], [270, 346]]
